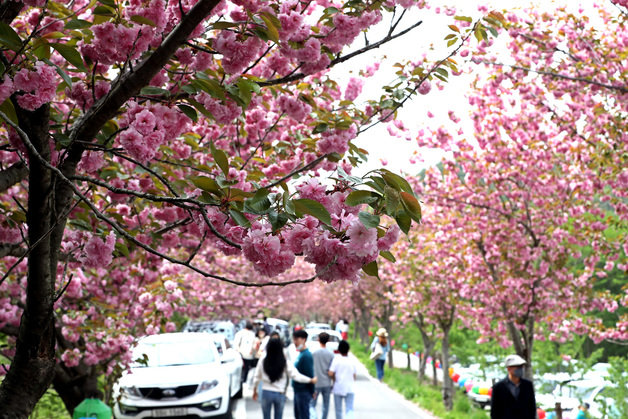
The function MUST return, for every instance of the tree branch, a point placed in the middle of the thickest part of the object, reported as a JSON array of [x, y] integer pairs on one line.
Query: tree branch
[[621, 89], [12, 175], [299, 76], [132, 239], [15, 250]]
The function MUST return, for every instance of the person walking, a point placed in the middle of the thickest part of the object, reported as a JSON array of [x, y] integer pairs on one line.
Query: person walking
[[344, 329], [379, 351], [322, 361], [273, 372], [513, 397], [304, 363], [344, 372], [244, 342]]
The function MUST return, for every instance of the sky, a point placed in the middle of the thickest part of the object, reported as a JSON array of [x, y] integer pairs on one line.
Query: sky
[[396, 152]]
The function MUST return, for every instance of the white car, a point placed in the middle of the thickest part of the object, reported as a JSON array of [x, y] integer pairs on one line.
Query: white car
[[594, 392], [315, 325], [312, 339], [179, 374], [223, 327]]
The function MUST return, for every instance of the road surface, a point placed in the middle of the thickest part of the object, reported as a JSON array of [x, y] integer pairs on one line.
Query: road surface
[[373, 400]]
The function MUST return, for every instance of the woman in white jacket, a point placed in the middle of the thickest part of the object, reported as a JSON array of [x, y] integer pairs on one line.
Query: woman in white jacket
[[274, 372]]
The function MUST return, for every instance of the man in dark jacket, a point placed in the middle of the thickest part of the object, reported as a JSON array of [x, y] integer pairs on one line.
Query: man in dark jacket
[[303, 393], [513, 397]]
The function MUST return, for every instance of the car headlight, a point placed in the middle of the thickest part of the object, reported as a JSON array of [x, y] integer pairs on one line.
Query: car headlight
[[207, 385], [131, 391]]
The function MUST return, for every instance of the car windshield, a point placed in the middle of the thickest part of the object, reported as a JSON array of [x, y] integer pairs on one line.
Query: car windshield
[[165, 354]]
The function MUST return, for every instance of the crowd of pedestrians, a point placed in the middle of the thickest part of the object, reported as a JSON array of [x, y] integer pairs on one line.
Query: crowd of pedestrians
[[315, 375]]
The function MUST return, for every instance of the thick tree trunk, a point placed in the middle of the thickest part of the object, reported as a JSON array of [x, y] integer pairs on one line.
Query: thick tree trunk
[[428, 347], [74, 384], [448, 391], [523, 341], [32, 368]]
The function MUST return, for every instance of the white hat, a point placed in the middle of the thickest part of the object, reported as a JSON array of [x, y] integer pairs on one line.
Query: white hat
[[514, 361], [382, 332]]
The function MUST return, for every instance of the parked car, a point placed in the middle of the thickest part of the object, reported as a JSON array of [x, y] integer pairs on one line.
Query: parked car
[[312, 339], [315, 325], [572, 394], [223, 327], [281, 326], [179, 374]]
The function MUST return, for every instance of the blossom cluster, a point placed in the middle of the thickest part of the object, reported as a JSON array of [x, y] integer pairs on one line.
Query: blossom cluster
[[148, 127], [37, 86]]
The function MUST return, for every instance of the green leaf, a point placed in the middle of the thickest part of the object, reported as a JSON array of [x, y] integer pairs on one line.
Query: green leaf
[[245, 91], [224, 25], [392, 200], [396, 181], [272, 29], [412, 206], [403, 221], [388, 256], [143, 20], [62, 139], [369, 220], [313, 208], [78, 24], [189, 111], [122, 249], [277, 220], [104, 11], [43, 53], [239, 218], [322, 127], [154, 91], [221, 159], [71, 54], [259, 196], [360, 197], [207, 184], [259, 207], [371, 269], [465, 18], [210, 86], [9, 38], [442, 71], [9, 110]]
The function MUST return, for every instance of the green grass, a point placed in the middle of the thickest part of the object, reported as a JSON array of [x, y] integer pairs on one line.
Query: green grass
[[425, 395], [50, 406]]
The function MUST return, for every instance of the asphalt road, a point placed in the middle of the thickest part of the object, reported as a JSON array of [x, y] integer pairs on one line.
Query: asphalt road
[[373, 400]]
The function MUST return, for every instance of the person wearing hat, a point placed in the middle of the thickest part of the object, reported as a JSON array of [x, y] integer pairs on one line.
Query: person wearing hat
[[379, 350], [513, 397], [583, 409]]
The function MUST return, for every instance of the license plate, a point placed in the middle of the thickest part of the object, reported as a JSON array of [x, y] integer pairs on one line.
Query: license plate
[[175, 411]]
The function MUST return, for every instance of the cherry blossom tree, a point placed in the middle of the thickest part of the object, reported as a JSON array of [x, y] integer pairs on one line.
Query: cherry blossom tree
[[430, 285], [140, 138], [542, 178]]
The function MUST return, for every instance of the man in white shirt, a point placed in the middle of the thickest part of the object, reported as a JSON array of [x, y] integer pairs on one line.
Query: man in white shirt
[[344, 372], [244, 342]]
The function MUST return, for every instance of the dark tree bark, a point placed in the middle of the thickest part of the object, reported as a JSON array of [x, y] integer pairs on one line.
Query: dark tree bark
[[448, 390], [428, 345], [74, 384], [49, 197], [33, 365]]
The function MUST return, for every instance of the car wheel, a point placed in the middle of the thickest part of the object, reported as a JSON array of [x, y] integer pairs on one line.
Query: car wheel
[[238, 394], [229, 414]]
